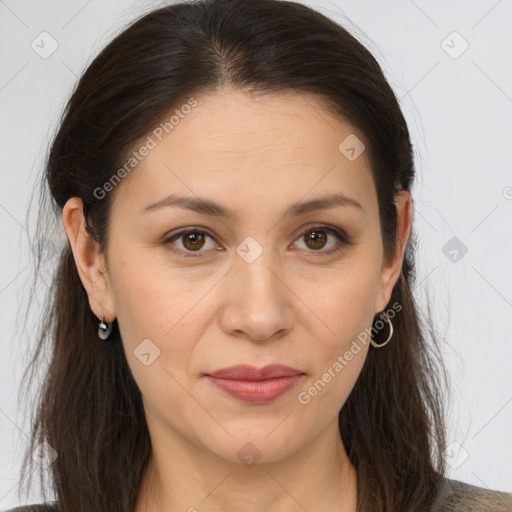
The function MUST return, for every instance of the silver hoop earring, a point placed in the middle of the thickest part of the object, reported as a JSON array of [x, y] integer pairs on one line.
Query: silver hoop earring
[[376, 345], [104, 328]]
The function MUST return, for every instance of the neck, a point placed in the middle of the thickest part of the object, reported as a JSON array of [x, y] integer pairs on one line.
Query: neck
[[185, 477]]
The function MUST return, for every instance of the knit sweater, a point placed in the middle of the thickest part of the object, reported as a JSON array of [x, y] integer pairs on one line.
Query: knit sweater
[[454, 496], [457, 496]]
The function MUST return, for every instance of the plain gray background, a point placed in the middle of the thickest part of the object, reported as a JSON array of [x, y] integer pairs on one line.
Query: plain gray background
[[458, 104]]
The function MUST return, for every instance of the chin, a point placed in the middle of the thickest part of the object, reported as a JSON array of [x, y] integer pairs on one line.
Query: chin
[[256, 445]]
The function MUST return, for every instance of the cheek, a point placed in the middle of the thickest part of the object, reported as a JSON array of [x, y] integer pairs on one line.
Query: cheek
[[345, 312], [342, 304], [161, 317], [162, 306], [150, 300]]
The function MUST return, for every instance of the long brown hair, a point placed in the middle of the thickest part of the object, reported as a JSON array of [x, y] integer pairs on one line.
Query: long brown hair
[[89, 408]]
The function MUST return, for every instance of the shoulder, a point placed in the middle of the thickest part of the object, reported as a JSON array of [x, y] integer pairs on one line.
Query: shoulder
[[457, 496], [46, 507]]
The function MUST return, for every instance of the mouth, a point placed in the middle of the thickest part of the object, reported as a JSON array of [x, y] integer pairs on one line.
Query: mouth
[[256, 386]]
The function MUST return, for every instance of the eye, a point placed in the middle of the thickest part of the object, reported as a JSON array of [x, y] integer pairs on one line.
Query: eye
[[316, 237], [193, 240]]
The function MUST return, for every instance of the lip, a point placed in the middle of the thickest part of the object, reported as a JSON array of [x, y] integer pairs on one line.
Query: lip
[[256, 385], [247, 372]]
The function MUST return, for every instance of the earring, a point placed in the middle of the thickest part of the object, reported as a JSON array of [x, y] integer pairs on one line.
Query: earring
[[389, 337], [104, 328]]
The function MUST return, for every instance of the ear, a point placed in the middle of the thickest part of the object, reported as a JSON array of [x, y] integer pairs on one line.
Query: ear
[[89, 262], [390, 271]]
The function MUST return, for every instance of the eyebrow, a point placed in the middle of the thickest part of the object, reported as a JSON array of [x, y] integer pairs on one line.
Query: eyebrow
[[209, 207]]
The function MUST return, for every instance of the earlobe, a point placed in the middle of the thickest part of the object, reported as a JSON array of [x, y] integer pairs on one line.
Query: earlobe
[[89, 262]]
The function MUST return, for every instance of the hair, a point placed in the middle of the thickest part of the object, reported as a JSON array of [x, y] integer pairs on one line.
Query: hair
[[88, 407]]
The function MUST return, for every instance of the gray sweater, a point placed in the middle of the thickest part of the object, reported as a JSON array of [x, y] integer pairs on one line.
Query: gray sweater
[[457, 496], [454, 496]]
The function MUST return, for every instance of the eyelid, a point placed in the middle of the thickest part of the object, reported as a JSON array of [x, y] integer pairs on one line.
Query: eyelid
[[343, 239]]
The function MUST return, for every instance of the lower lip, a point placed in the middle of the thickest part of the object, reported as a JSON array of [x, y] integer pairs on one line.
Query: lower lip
[[256, 391]]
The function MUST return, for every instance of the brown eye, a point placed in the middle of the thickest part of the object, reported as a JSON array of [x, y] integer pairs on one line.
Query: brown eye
[[315, 238], [193, 240], [192, 243]]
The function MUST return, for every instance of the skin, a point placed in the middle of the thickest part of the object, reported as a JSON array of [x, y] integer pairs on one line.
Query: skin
[[256, 156]]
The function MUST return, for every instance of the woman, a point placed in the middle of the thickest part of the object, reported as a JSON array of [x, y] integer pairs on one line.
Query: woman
[[231, 324]]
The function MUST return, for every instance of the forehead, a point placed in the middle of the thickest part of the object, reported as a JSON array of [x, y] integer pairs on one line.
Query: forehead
[[243, 149]]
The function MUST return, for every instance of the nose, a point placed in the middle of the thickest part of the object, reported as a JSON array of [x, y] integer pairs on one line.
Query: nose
[[257, 302]]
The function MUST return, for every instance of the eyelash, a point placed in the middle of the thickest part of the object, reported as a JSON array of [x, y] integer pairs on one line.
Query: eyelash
[[341, 235]]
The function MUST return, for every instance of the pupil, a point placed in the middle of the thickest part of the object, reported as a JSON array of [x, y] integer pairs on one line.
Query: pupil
[[191, 240], [316, 237]]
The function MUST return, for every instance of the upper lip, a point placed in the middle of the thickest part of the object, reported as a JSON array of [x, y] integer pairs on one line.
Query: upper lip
[[247, 372]]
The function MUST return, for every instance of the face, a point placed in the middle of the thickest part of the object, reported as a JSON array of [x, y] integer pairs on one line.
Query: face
[[259, 281]]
